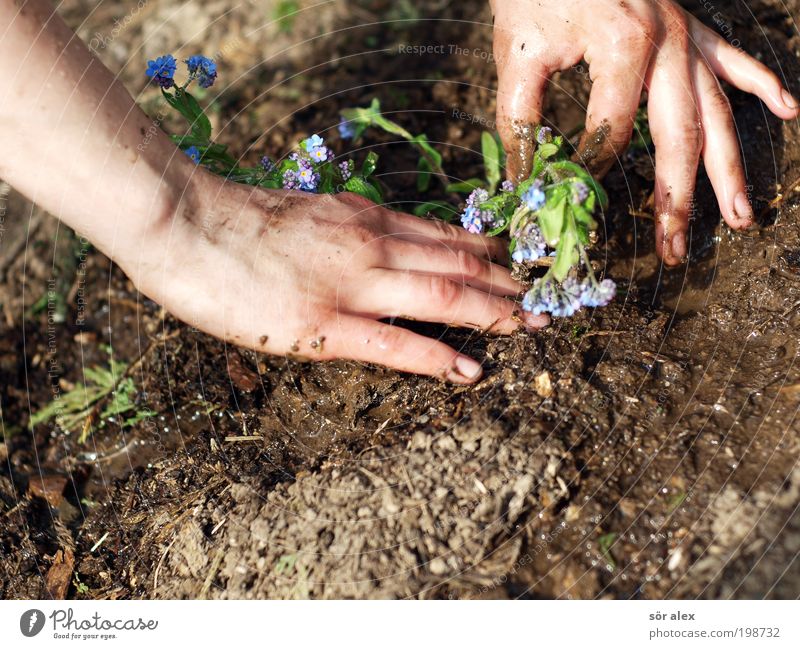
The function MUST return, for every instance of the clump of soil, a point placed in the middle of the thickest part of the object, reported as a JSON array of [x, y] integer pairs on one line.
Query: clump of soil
[[648, 449]]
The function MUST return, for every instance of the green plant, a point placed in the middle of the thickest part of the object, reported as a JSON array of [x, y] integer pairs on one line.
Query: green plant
[[357, 120], [605, 544], [74, 410], [285, 13], [311, 166]]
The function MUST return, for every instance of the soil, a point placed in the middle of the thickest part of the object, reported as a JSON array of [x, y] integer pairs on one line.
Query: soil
[[649, 449]]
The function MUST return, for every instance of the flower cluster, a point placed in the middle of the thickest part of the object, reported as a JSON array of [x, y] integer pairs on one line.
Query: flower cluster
[[310, 167], [304, 173], [162, 70], [546, 296], [529, 244], [477, 215], [203, 69], [548, 214]]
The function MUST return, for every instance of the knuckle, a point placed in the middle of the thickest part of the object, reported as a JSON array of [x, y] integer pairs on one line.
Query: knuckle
[[719, 104], [363, 233], [444, 291], [640, 31], [445, 231], [391, 338], [468, 264], [693, 134], [676, 20], [687, 137]]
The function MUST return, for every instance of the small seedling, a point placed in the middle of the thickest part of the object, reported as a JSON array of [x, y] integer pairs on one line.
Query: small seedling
[[357, 120], [285, 13], [80, 587], [549, 214], [73, 409], [605, 543]]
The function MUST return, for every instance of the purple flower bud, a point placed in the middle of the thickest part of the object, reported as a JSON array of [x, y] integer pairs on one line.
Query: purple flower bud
[[346, 130], [544, 135], [346, 168], [267, 164], [580, 191], [507, 186], [290, 179], [476, 197]]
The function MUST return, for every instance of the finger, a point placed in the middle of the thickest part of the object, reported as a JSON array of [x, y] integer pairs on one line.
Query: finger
[[374, 342], [522, 80], [435, 298], [721, 153], [457, 264], [743, 71], [416, 229], [617, 83], [677, 135]]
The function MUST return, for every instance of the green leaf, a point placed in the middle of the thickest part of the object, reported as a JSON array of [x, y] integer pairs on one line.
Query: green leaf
[[551, 220], [566, 255], [423, 175], [285, 13], [584, 217], [466, 186], [422, 142], [441, 209], [188, 107], [491, 160], [575, 169], [370, 164], [548, 150], [360, 186]]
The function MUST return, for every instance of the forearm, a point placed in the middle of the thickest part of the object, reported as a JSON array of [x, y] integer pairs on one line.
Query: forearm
[[75, 141]]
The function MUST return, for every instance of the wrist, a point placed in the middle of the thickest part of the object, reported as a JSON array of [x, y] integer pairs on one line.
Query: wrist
[[158, 226]]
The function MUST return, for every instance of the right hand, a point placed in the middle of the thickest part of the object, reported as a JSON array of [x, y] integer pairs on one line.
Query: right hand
[[631, 46], [310, 276]]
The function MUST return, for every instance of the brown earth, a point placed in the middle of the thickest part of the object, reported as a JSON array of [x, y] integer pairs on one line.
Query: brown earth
[[649, 449]]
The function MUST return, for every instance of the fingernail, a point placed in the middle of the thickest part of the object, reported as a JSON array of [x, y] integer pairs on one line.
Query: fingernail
[[679, 246], [742, 207], [467, 368], [534, 322], [788, 99]]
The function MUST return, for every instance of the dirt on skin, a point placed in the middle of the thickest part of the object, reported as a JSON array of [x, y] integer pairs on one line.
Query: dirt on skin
[[648, 449]]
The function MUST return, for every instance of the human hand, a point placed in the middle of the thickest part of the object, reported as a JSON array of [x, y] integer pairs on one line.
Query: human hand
[[631, 46], [307, 275]]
